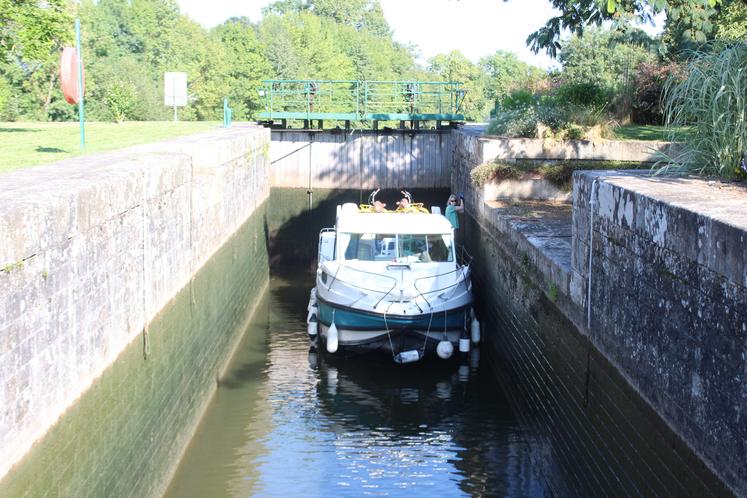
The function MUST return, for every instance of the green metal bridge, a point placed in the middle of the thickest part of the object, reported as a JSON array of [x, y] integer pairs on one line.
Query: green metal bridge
[[364, 101]]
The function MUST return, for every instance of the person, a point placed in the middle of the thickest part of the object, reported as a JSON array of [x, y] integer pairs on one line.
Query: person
[[453, 208]]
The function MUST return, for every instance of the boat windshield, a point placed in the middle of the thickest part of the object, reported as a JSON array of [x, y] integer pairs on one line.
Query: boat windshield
[[402, 248]]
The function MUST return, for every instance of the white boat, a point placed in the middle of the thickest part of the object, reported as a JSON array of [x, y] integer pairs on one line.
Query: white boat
[[392, 281]]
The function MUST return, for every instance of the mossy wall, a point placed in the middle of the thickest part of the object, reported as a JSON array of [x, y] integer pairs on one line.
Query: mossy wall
[[125, 435]]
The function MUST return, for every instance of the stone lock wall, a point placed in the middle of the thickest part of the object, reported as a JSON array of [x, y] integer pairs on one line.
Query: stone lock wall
[[668, 296], [91, 249], [646, 401]]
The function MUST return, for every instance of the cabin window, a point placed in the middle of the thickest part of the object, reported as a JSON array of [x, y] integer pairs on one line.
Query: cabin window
[[424, 248], [403, 248]]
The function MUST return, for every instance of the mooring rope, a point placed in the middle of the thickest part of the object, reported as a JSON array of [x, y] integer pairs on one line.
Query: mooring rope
[[427, 334], [388, 335]]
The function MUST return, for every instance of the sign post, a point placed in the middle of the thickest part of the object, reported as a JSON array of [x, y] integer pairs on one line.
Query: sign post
[[175, 90], [81, 107]]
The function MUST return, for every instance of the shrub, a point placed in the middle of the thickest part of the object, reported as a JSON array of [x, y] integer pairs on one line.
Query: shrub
[[648, 88], [559, 173], [710, 100], [521, 122], [121, 99], [584, 95], [518, 99], [484, 173]]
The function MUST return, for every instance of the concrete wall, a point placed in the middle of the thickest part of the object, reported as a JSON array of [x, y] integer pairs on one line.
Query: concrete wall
[[648, 399], [359, 159], [91, 249]]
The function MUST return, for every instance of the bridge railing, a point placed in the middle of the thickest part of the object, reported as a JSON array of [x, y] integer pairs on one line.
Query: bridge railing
[[362, 100]]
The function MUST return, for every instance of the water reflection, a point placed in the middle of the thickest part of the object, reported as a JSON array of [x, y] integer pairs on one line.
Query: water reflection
[[308, 424]]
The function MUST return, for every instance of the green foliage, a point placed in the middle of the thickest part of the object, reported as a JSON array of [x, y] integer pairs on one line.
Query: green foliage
[[107, 71], [5, 95], [129, 44], [33, 30], [487, 172], [692, 17], [247, 66], [558, 173], [648, 87], [359, 14], [599, 69], [584, 94], [730, 24], [711, 102], [518, 99], [552, 118], [121, 99], [505, 73], [517, 122], [456, 67]]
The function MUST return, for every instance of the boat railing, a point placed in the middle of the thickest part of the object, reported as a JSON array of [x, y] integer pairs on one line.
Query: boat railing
[[336, 278], [461, 269], [464, 259]]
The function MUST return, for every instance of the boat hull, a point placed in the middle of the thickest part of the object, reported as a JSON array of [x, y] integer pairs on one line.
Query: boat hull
[[361, 332], [360, 320], [374, 342]]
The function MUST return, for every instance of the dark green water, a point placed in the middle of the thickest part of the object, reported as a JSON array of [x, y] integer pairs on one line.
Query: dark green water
[[289, 422]]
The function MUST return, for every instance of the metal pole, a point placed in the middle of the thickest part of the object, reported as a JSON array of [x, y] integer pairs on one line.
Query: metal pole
[[81, 106]]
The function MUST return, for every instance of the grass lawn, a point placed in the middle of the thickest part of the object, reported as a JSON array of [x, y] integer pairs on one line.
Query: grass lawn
[[30, 144], [640, 132]]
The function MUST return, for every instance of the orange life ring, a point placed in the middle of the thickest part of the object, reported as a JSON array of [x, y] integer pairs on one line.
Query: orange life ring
[[69, 75]]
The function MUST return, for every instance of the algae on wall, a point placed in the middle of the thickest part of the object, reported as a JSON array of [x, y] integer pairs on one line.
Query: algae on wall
[[125, 435]]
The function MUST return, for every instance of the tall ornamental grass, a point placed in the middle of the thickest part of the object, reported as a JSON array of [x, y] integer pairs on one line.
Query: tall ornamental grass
[[706, 112]]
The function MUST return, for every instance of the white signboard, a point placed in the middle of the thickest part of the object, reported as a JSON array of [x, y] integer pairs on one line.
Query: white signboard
[[175, 89]]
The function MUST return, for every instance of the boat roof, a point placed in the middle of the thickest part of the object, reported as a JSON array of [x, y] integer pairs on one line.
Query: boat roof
[[392, 222]]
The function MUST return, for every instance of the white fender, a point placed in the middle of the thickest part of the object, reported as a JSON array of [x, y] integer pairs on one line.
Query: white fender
[[313, 327], [407, 356], [464, 345], [475, 331], [444, 350], [312, 300], [332, 338]]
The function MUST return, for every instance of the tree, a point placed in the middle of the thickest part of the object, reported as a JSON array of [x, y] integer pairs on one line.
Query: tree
[[598, 57], [360, 14], [693, 16], [121, 98], [33, 29], [454, 66], [730, 24], [505, 72], [247, 65]]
